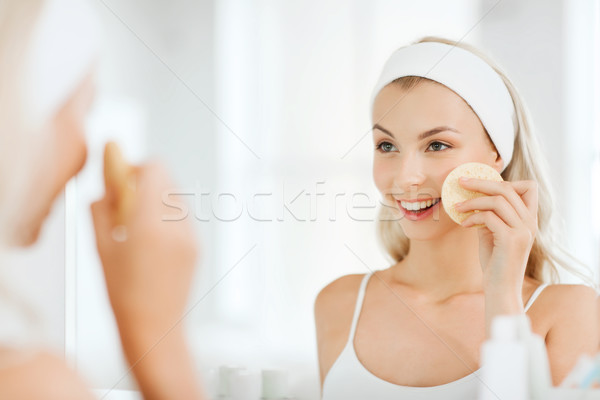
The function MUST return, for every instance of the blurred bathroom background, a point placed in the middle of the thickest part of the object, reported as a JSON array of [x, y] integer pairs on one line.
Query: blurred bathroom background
[[260, 109]]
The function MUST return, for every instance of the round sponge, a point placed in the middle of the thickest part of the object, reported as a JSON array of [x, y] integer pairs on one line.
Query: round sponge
[[117, 177], [453, 193]]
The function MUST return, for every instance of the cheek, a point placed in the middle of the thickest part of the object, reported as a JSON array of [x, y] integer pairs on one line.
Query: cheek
[[382, 175], [74, 156], [80, 157], [70, 150]]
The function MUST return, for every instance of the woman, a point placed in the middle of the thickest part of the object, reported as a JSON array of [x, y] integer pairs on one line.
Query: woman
[[48, 51], [414, 330]]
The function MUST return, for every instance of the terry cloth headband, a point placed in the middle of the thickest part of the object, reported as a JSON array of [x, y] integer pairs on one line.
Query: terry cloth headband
[[467, 75], [64, 44]]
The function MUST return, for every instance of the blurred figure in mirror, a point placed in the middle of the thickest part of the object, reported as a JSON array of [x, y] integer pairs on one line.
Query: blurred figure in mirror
[[49, 51]]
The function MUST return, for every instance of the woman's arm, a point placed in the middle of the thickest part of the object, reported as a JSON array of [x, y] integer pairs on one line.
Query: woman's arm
[[148, 278], [161, 363], [574, 330], [506, 221]]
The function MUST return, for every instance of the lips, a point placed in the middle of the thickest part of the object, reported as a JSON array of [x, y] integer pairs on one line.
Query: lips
[[420, 214], [418, 205]]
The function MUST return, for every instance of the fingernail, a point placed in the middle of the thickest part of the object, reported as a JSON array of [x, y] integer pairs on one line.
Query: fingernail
[[464, 179], [458, 204]]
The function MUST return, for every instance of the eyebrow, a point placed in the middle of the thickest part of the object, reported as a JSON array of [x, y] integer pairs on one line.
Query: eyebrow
[[423, 135]]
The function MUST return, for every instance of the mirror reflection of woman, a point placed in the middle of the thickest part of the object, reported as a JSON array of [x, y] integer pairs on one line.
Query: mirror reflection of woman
[[414, 330], [49, 51]]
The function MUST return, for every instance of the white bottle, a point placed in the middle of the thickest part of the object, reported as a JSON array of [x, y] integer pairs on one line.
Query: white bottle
[[245, 385], [274, 384], [540, 377], [504, 362]]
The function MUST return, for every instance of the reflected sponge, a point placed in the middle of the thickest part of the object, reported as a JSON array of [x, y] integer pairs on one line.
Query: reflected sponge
[[118, 175]]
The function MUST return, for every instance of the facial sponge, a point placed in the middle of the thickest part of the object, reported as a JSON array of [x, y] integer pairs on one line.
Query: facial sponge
[[453, 193], [117, 178]]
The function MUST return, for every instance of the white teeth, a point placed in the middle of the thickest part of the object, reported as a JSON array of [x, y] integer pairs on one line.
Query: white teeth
[[418, 205]]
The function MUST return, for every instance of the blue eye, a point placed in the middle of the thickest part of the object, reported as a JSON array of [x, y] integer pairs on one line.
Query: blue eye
[[438, 143], [384, 147]]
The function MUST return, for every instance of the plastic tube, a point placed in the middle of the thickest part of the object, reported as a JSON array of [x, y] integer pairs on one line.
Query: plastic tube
[[504, 360]]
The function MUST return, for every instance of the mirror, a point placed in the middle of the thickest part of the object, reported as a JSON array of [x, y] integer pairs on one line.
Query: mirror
[[260, 110]]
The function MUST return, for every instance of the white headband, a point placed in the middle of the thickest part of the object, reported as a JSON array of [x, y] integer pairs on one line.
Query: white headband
[[64, 46], [467, 75]]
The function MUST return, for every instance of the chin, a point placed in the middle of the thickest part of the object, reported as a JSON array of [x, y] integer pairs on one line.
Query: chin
[[27, 236], [28, 239], [430, 230]]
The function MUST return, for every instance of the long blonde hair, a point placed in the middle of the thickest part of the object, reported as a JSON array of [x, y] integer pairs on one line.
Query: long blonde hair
[[547, 253]]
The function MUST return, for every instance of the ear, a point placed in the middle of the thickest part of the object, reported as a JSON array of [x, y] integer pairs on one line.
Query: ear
[[499, 163]]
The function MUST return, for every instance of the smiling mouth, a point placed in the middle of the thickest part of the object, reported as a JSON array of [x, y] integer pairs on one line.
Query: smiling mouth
[[418, 207]]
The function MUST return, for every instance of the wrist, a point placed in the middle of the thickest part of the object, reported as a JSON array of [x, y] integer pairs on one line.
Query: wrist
[[145, 324], [161, 363], [501, 301], [501, 285], [141, 336]]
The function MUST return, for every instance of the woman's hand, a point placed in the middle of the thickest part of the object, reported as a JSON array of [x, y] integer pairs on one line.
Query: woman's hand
[[508, 219], [147, 275], [148, 278]]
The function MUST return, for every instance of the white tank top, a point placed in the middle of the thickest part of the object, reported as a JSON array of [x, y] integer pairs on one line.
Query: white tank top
[[348, 379]]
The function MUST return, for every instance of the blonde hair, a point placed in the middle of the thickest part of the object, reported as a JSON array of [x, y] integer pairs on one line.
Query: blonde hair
[[547, 254]]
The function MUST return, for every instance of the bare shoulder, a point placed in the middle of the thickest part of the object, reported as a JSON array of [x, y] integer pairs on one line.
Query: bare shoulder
[[571, 304], [570, 298], [40, 375], [572, 311], [574, 326], [334, 308], [337, 295]]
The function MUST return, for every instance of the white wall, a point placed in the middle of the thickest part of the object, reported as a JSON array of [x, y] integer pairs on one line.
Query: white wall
[[547, 49]]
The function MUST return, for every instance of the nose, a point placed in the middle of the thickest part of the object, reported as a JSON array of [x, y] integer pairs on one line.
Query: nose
[[410, 174]]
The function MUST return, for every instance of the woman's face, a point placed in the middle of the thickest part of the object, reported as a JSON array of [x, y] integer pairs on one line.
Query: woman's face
[[411, 164], [65, 157]]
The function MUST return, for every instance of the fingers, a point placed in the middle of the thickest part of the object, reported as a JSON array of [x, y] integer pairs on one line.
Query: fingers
[[497, 204], [521, 195], [486, 219], [149, 183], [102, 219], [491, 221], [528, 190]]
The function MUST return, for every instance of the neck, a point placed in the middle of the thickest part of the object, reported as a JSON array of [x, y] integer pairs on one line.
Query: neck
[[443, 267]]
